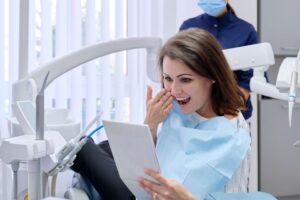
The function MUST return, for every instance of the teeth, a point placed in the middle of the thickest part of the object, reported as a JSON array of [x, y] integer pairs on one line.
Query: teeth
[[182, 99]]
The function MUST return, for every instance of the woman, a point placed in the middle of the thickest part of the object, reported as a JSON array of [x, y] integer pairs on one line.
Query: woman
[[201, 141]]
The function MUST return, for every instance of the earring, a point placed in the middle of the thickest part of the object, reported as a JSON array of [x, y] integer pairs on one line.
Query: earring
[[213, 81]]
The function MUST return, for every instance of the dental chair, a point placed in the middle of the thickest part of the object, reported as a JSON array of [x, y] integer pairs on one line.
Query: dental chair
[[82, 190], [260, 55], [28, 87]]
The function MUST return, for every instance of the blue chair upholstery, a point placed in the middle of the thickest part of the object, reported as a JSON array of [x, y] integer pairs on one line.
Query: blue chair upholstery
[[240, 196]]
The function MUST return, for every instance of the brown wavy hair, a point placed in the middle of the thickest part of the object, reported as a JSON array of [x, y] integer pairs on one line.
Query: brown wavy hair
[[201, 52]]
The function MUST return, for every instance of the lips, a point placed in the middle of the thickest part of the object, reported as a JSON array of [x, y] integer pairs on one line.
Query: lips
[[183, 101]]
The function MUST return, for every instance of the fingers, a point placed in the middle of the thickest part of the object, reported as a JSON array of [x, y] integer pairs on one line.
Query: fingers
[[164, 101], [154, 185], [166, 98], [158, 107], [148, 191], [151, 187], [164, 189], [159, 95], [154, 195], [154, 189], [167, 106], [149, 93], [162, 96], [156, 176]]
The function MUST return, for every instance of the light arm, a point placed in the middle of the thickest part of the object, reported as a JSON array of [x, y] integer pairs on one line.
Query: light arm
[[61, 65], [251, 56]]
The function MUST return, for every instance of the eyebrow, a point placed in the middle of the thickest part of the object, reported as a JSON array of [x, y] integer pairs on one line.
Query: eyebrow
[[179, 75]]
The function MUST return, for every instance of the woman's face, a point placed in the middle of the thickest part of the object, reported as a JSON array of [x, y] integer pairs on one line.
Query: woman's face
[[191, 91]]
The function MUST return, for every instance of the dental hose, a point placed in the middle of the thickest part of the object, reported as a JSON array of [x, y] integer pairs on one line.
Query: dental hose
[[77, 147]]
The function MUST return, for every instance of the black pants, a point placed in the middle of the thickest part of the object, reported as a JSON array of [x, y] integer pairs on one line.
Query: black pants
[[96, 163]]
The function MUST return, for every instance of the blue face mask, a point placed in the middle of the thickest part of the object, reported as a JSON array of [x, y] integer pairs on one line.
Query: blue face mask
[[212, 7]]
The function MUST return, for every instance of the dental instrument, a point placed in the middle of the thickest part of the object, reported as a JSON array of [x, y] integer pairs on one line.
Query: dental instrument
[[288, 82], [94, 131], [73, 142], [65, 158], [292, 95]]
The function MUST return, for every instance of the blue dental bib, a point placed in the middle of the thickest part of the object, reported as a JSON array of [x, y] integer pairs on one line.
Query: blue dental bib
[[201, 154]]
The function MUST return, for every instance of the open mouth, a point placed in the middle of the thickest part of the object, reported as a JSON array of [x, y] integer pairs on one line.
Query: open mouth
[[183, 101]]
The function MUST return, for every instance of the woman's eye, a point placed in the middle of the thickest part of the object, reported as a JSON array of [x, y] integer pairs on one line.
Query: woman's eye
[[168, 79], [185, 80]]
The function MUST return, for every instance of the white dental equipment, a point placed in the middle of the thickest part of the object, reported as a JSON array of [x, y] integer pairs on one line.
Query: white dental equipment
[[251, 56], [72, 143], [26, 148], [65, 157], [287, 81], [261, 56]]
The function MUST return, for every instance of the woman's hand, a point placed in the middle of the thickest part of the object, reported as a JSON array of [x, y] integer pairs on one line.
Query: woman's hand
[[157, 108], [164, 189]]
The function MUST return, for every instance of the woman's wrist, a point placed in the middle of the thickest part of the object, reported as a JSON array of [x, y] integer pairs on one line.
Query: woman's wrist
[[153, 129]]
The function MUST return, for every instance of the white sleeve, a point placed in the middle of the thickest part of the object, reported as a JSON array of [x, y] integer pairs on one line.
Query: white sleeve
[[240, 179]]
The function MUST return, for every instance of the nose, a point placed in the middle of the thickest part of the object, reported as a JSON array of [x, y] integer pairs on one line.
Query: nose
[[175, 88]]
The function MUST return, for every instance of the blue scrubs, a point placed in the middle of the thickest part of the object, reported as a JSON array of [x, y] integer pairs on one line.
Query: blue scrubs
[[231, 32]]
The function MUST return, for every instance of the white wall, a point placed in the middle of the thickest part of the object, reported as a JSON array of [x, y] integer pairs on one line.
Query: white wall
[[246, 9], [185, 10]]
